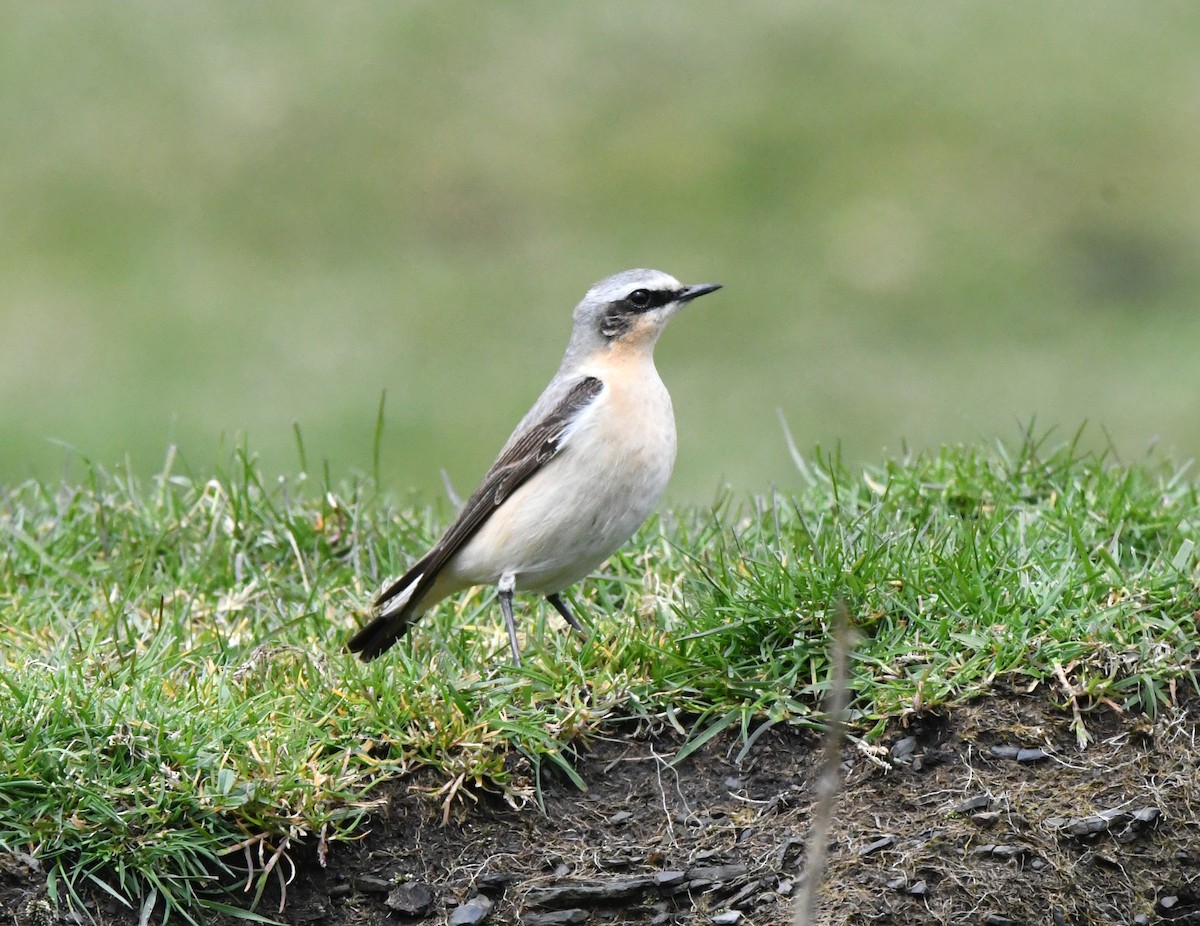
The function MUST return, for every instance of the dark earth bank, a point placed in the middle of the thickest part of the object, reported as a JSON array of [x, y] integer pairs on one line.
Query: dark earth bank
[[988, 814]]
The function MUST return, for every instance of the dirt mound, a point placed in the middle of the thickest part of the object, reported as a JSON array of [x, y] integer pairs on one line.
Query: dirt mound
[[990, 814]]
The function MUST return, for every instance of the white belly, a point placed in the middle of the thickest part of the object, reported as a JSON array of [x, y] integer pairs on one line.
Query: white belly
[[573, 514]]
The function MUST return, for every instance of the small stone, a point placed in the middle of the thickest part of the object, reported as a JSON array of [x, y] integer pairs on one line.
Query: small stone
[[1141, 920], [978, 802], [728, 918], [919, 889], [718, 873], [668, 878], [413, 898], [1032, 755], [598, 893], [1147, 815], [1004, 752], [897, 884], [1167, 902], [784, 888], [555, 918], [1139, 822], [1085, 826], [621, 816], [734, 783], [903, 748], [1001, 851], [744, 899], [1081, 827], [369, 884], [884, 842], [471, 913]]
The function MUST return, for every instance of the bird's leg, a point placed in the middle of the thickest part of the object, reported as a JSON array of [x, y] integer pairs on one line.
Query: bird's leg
[[508, 582], [561, 607]]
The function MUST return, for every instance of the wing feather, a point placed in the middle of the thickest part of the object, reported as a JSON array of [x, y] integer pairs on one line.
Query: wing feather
[[531, 451]]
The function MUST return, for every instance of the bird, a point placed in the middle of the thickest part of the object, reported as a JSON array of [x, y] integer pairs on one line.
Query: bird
[[579, 474]]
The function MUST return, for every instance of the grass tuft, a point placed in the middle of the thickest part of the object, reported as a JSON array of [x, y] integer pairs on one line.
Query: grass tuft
[[177, 711]]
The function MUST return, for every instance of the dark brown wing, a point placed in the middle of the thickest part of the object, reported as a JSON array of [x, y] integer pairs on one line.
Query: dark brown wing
[[535, 447], [528, 454]]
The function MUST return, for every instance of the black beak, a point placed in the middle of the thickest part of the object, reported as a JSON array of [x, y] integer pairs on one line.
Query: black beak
[[700, 289]]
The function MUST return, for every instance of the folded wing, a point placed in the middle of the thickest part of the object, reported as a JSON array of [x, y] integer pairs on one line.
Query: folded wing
[[525, 454]]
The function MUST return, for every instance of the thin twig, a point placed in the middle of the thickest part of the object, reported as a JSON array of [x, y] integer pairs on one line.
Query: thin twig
[[829, 780]]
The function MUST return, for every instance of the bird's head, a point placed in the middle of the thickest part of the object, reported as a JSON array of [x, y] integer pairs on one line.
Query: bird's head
[[629, 309]]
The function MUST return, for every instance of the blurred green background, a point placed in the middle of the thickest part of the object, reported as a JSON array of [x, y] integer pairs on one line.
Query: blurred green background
[[934, 222]]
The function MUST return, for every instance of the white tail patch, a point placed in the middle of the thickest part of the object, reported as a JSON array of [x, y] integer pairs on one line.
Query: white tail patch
[[400, 599]]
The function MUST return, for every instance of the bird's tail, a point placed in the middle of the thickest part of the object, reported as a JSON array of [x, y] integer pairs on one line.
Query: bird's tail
[[395, 610]]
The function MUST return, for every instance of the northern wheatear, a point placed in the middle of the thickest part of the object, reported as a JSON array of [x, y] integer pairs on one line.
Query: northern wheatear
[[585, 466]]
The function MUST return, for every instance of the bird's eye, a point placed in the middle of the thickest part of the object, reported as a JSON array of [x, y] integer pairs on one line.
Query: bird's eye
[[639, 298]]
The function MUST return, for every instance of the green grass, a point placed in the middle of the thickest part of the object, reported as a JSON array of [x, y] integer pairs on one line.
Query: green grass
[[176, 707]]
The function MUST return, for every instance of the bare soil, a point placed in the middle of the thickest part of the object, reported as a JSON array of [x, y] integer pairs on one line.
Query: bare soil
[[989, 814]]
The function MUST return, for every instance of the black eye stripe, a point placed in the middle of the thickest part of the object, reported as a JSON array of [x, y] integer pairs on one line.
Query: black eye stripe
[[643, 300], [620, 314]]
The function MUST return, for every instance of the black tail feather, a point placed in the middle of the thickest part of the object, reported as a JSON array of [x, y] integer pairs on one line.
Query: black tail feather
[[387, 627], [380, 635]]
